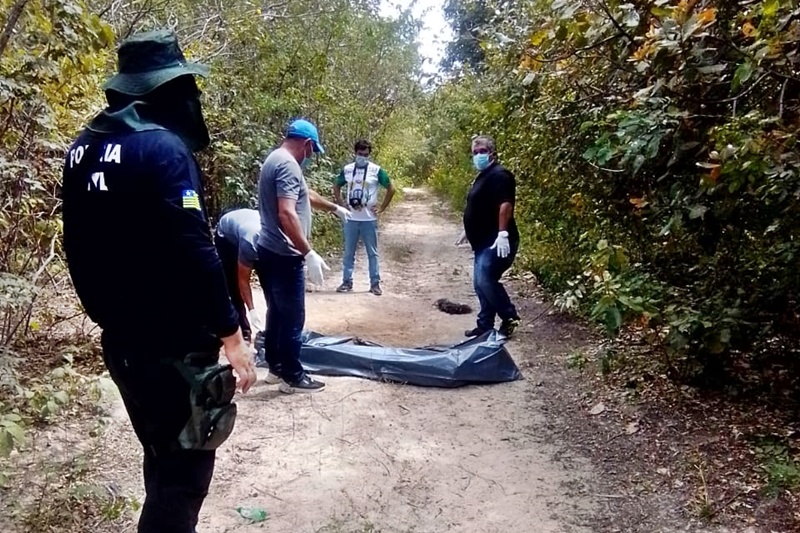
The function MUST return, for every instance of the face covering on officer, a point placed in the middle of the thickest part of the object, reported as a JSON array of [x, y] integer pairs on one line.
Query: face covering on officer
[[174, 106], [362, 161]]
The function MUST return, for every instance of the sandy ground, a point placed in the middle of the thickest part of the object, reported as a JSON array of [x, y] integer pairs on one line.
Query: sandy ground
[[364, 456], [533, 456], [369, 457]]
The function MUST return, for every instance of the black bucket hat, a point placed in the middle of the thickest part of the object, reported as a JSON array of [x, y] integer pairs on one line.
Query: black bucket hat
[[147, 60]]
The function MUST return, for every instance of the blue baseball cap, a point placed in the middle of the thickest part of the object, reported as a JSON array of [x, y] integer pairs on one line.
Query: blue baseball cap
[[304, 129]]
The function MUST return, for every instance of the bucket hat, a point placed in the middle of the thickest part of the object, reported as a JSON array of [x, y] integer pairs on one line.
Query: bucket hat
[[150, 59]]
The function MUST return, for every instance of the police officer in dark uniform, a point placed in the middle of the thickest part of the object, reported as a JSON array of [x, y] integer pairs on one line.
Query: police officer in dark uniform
[[142, 260]]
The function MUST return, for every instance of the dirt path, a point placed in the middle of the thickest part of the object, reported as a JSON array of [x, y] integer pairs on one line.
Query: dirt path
[[370, 457]]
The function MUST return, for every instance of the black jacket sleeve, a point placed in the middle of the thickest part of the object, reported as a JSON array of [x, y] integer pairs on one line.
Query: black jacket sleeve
[[182, 210]]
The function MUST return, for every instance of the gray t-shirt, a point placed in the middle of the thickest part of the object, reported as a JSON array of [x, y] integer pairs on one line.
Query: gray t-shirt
[[281, 177], [241, 228]]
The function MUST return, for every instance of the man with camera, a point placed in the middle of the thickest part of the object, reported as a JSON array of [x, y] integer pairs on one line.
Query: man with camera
[[362, 179]]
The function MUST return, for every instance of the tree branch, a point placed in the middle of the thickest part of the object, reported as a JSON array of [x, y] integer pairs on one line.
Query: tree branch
[[11, 22], [614, 21]]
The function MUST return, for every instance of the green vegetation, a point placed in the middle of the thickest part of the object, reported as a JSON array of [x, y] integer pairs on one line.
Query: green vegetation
[[655, 147], [654, 144]]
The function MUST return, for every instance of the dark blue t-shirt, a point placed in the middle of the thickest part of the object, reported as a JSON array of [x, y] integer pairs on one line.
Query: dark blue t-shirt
[[137, 239]]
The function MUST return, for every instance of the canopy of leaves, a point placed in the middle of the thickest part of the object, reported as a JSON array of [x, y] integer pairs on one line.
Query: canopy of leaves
[[655, 148], [336, 62]]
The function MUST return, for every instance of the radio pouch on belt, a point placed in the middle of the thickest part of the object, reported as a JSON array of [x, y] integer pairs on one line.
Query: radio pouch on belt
[[213, 413]]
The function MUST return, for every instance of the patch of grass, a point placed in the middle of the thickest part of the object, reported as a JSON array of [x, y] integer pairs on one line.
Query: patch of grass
[[577, 360], [339, 526], [779, 463], [702, 503], [609, 361], [69, 498]]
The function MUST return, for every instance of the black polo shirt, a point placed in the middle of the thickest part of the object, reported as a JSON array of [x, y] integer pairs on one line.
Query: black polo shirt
[[492, 187]]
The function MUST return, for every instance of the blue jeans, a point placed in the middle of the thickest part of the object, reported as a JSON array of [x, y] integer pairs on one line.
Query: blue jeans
[[367, 231], [283, 281], [492, 296]]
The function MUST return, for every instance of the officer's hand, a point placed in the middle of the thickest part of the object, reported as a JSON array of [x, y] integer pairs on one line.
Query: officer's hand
[[240, 356], [462, 239]]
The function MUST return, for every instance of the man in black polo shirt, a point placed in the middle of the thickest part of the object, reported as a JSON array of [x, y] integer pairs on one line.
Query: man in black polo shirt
[[491, 231]]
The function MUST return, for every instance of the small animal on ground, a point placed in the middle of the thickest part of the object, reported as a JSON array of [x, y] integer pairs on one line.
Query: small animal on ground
[[452, 308]]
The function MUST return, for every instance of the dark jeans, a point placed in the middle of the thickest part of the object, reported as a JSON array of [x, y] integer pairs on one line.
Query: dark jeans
[[492, 296], [156, 397], [229, 256], [283, 281]]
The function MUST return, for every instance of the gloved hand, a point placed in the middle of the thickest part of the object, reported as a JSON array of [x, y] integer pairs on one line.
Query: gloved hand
[[255, 320], [343, 213], [315, 265], [502, 244], [462, 239]]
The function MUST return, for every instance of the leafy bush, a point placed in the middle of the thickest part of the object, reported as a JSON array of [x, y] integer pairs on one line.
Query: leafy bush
[[664, 133]]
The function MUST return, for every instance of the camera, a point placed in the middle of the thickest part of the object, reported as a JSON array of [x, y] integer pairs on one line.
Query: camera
[[357, 199]]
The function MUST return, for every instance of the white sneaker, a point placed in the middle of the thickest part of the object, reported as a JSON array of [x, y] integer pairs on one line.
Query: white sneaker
[[272, 379]]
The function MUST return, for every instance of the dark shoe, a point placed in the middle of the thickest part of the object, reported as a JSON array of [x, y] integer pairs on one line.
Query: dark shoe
[[306, 385], [475, 332], [508, 327], [375, 289], [346, 286]]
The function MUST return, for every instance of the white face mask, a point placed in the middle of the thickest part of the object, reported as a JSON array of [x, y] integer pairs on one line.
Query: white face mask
[[362, 160]]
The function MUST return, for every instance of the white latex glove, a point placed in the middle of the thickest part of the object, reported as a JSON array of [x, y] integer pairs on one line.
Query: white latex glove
[[462, 239], [342, 213], [502, 244], [255, 320], [315, 265]]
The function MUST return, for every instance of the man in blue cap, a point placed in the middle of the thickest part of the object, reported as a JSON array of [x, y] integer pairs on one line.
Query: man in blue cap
[[140, 254], [285, 203]]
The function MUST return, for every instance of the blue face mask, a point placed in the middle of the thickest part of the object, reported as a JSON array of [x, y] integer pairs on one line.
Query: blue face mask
[[304, 164], [362, 161], [481, 161]]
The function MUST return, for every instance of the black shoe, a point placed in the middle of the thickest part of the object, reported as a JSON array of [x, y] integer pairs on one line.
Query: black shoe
[[475, 332], [306, 385], [508, 327], [375, 289], [346, 286]]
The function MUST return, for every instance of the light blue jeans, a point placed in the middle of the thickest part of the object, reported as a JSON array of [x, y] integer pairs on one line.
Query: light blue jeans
[[367, 231]]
